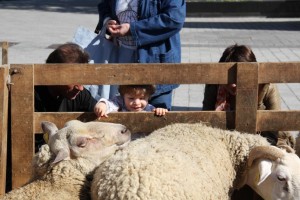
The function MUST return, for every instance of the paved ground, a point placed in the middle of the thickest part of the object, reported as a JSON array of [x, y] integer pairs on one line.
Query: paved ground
[[35, 27]]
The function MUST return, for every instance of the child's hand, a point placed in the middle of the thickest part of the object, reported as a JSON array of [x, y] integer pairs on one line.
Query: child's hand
[[100, 110], [160, 111]]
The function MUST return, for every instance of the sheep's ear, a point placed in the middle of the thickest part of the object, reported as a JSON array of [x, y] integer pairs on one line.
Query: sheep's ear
[[49, 128], [63, 154], [264, 170]]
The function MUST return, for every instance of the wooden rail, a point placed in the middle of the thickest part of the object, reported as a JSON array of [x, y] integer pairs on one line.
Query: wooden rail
[[25, 122], [4, 71]]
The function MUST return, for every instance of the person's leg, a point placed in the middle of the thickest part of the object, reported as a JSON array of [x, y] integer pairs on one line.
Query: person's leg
[[114, 90], [163, 100]]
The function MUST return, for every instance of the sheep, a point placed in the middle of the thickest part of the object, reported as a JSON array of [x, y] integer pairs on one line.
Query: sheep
[[282, 139], [194, 161], [64, 166]]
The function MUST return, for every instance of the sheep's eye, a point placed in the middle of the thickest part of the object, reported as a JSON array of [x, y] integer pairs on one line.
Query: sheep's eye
[[281, 178], [81, 142]]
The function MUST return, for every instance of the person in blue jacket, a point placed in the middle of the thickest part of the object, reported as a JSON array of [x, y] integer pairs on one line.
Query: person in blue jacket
[[148, 28]]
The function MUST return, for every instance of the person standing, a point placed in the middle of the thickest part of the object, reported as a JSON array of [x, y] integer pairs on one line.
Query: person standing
[[150, 30]]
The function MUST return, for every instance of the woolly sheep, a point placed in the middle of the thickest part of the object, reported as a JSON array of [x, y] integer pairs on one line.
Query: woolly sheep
[[282, 139], [63, 168], [193, 161]]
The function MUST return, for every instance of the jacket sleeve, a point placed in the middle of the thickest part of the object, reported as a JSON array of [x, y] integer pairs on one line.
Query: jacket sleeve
[[111, 105], [85, 102], [210, 97], [272, 98], [104, 11], [166, 23]]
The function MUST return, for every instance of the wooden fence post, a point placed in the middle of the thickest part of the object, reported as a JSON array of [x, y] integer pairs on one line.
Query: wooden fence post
[[22, 109], [3, 126], [4, 53], [246, 98]]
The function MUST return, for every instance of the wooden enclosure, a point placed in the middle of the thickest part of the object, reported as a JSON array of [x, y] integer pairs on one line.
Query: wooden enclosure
[[4, 72], [25, 122]]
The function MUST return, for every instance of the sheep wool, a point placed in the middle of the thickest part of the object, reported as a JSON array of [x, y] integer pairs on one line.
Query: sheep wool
[[179, 161], [63, 168], [66, 180]]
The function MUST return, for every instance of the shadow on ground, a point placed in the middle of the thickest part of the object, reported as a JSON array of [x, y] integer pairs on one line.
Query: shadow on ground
[[72, 6], [90, 7], [282, 26]]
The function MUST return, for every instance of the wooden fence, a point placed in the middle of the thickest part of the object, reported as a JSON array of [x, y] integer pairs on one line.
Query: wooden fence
[[26, 123], [3, 116], [3, 126]]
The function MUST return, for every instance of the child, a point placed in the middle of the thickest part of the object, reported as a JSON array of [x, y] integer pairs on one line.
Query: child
[[222, 97], [133, 98]]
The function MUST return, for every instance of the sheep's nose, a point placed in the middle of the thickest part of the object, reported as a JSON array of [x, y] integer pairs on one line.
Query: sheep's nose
[[124, 130]]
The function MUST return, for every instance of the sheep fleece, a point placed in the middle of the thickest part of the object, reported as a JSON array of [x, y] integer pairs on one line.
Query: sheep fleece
[[179, 161]]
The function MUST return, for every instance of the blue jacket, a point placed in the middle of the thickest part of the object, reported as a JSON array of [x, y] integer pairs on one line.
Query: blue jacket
[[156, 32]]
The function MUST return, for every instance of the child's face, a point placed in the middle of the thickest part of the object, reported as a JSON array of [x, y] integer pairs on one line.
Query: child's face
[[135, 103]]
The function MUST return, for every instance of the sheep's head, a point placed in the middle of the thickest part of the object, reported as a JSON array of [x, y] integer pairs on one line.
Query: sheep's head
[[92, 140], [274, 173]]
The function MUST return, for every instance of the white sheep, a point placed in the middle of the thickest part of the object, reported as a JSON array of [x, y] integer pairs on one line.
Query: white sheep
[[63, 169], [193, 161]]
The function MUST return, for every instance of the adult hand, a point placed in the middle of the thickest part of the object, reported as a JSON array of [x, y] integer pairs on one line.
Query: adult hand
[[118, 30]]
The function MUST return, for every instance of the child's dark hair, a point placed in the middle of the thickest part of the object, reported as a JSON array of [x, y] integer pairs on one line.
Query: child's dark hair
[[68, 53], [238, 53], [147, 90]]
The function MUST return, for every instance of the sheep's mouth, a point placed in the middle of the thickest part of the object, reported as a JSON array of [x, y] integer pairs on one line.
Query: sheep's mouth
[[124, 144]]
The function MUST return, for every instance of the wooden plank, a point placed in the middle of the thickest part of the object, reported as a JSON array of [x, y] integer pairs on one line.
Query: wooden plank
[[144, 122], [167, 73], [279, 72], [246, 97], [4, 53], [4, 72], [149, 121], [22, 108], [268, 120]]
